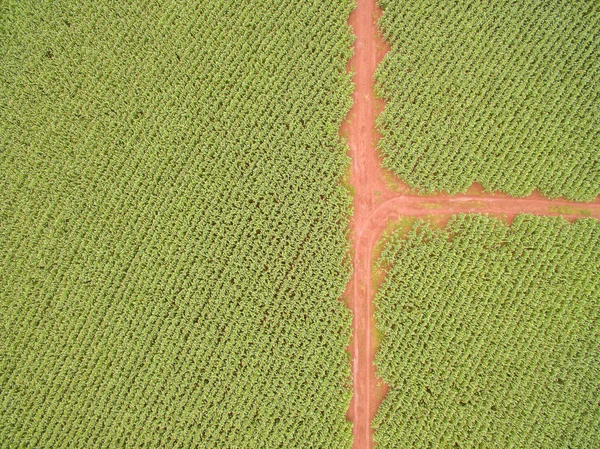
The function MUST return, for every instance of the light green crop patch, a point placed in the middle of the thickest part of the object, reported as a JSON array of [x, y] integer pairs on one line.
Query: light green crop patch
[[491, 335], [502, 93], [172, 225]]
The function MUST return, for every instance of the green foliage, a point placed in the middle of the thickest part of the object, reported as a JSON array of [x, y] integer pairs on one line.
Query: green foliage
[[491, 335], [502, 93], [172, 234]]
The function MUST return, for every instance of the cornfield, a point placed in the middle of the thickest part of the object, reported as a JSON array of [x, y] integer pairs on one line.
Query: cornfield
[[502, 93], [173, 229], [490, 334]]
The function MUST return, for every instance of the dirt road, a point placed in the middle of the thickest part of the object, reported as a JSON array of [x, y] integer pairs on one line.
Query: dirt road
[[376, 204]]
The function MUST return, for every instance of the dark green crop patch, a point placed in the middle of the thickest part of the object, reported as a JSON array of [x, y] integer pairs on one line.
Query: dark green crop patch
[[172, 225]]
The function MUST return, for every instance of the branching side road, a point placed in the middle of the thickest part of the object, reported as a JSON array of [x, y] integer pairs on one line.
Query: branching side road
[[375, 205]]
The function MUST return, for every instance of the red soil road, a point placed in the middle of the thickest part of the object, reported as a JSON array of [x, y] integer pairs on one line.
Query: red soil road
[[379, 198]]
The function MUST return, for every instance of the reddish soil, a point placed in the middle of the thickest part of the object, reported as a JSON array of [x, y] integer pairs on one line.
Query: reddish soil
[[380, 199]]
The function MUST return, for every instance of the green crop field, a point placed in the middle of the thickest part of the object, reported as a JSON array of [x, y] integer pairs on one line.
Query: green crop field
[[498, 92], [172, 224], [490, 335]]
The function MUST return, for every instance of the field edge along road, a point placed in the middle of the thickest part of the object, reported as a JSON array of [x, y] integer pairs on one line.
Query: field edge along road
[[375, 205]]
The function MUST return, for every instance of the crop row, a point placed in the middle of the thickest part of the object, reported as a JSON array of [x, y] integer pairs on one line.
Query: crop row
[[501, 93], [173, 230], [490, 334]]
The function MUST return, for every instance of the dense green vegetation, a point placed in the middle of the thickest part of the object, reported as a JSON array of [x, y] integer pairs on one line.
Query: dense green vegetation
[[173, 229], [491, 335], [502, 93]]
